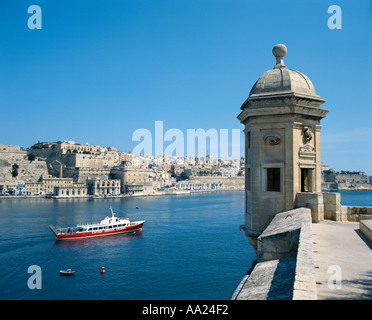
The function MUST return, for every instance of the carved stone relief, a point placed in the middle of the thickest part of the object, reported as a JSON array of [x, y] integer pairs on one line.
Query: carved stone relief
[[272, 138]]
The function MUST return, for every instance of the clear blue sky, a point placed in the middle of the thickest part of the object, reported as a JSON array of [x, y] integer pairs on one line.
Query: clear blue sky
[[98, 70]]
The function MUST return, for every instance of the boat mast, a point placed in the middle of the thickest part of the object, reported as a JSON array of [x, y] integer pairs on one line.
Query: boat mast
[[112, 212]]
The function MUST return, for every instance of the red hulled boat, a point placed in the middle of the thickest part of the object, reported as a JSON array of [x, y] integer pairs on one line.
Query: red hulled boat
[[108, 226]]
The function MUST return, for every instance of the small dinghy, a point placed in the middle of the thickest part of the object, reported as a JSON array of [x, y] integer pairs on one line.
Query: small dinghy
[[67, 272]]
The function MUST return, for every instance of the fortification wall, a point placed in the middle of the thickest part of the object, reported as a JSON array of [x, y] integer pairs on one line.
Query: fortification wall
[[344, 181], [285, 263], [54, 159], [354, 213], [27, 171]]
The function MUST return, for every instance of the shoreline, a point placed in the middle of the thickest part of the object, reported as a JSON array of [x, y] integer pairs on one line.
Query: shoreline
[[166, 193]]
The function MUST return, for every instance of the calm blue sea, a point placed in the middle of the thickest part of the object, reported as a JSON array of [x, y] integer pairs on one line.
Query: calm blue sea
[[190, 248], [356, 198]]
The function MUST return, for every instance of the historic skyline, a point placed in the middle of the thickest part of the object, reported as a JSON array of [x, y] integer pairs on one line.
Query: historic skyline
[[97, 72]]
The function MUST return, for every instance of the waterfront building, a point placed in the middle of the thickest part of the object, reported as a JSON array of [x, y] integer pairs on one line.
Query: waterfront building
[[49, 182], [98, 186], [281, 120], [75, 191], [199, 186], [34, 188], [210, 183]]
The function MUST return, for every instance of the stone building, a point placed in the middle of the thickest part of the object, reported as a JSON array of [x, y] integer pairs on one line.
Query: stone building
[[77, 190], [133, 180], [82, 174], [71, 146], [49, 182], [103, 187], [282, 143], [211, 183], [34, 188], [46, 185]]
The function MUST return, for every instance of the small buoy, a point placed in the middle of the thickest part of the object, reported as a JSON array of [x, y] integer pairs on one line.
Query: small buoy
[[103, 270]]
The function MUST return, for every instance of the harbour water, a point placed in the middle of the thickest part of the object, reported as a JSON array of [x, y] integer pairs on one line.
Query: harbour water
[[190, 247], [356, 198]]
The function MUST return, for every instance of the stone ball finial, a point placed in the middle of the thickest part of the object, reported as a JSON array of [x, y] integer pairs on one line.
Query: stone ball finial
[[279, 51]]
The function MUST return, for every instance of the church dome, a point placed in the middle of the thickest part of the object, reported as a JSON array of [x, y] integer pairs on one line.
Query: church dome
[[281, 79]]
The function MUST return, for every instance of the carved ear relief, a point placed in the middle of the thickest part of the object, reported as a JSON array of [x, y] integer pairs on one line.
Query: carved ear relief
[[272, 138]]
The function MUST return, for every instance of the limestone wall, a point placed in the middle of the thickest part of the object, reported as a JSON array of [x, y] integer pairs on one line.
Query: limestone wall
[[350, 213], [27, 171], [285, 263], [314, 201], [332, 206], [327, 205], [12, 151], [365, 227], [54, 159]]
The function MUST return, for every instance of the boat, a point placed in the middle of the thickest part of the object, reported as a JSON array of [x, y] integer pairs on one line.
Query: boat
[[67, 272], [108, 226]]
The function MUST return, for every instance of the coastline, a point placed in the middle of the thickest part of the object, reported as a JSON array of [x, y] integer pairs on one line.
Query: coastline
[[165, 193], [159, 193]]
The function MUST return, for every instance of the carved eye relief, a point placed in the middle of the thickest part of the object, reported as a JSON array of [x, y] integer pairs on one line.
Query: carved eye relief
[[272, 139]]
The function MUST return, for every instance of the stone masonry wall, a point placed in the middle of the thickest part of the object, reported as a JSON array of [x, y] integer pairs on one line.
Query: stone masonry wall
[[285, 263], [27, 171]]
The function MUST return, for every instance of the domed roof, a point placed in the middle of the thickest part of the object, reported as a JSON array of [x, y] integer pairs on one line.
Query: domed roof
[[281, 79]]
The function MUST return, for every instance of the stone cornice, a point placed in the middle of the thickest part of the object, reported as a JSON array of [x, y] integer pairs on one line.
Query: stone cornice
[[311, 111], [284, 97]]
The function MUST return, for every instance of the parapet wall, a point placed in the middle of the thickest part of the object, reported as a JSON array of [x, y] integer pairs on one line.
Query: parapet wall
[[285, 263], [365, 226], [327, 205], [350, 213]]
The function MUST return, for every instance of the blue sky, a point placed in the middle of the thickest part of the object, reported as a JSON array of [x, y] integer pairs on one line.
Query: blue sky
[[99, 70]]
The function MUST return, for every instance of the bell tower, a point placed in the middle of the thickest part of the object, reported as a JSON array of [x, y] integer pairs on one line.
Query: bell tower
[[281, 119]]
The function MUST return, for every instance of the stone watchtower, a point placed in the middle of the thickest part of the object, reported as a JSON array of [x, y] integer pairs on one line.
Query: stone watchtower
[[282, 143]]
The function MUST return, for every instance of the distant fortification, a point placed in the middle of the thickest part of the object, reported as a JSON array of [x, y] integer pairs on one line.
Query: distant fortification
[[333, 180], [15, 167]]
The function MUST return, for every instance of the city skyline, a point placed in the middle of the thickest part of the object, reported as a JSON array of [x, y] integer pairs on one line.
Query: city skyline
[[96, 73]]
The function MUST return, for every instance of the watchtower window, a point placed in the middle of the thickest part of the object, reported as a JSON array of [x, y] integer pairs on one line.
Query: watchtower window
[[306, 180], [273, 179]]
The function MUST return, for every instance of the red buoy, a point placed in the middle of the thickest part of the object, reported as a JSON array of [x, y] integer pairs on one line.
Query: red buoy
[[103, 270]]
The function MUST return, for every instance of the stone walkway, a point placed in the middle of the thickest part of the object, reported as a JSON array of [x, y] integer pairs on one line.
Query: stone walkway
[[341, 249]]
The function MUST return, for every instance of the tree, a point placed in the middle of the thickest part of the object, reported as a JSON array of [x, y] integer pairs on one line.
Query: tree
[[31, 157], [15, 170], [184, 175]]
